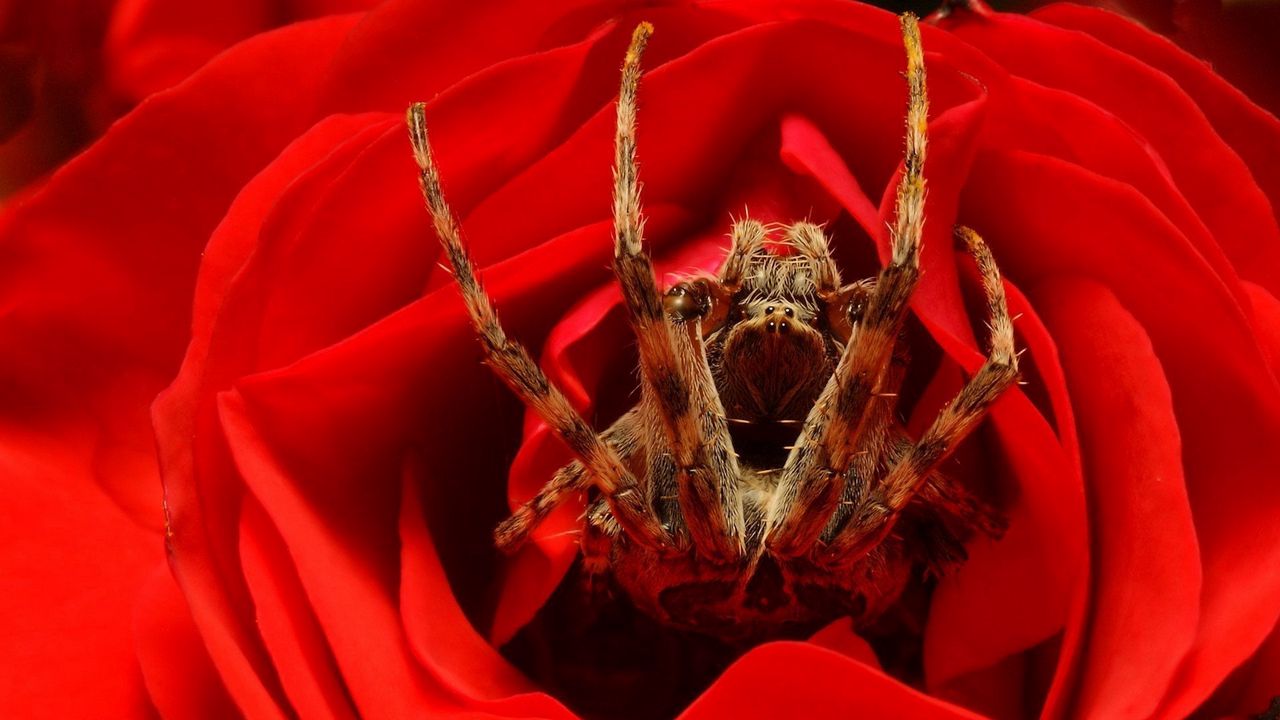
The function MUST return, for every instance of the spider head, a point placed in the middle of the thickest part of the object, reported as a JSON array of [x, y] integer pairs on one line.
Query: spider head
[[768, 340], [775, 318], [774, 323], [773, 338], [773, 359]]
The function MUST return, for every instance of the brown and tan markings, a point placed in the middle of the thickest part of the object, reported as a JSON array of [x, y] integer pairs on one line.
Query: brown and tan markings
[[760, 484]]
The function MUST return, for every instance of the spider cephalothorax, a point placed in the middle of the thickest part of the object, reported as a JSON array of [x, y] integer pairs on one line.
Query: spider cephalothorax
[[763, 484], [774, 354]]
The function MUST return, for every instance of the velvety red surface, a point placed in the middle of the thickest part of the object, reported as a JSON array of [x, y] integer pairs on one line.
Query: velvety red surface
[[249, 251]]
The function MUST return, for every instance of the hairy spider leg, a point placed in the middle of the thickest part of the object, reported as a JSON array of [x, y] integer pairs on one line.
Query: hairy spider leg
[[746, 242], [677, 388], [883, 445], [815, 473], [874, 519], [623, 436], [747, 239], [512, 362], [811, 243], [844, 303], [883, 436]]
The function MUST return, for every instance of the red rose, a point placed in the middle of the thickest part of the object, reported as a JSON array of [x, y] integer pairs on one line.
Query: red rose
[[1236, 38], [251, 247], [71, 67]]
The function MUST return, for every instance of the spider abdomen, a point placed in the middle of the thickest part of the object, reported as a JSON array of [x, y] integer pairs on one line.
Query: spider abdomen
[[760, 597]]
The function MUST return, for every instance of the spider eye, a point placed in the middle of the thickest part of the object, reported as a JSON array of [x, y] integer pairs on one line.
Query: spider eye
[[686, 301], [857, 307]]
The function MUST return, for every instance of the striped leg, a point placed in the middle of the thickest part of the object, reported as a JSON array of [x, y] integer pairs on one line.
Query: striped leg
[[883, 437], [874, 518], [815, 473], [512, 363], [623, 436], [676, 381]]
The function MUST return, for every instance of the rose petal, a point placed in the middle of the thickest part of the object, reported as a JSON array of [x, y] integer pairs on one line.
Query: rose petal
[[1146, 564], [394, 35], [1252, 687], [806, 150], [698, 119], [203, 494], [1251, 691], [367, 397], [181, 679], [786, 679], [841, 637], [274, 222], [287, 622], [1033, 118], [1250, 130], [151, 46], [1013, 593], [112, 281], [1139, 258], [1199, 160], [73, 563], [441, 636], [342, 566], [127, 308], [1266, 321], [383, 65]]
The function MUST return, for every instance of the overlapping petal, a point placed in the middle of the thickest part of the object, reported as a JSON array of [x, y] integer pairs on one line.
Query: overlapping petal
[[333, 454]]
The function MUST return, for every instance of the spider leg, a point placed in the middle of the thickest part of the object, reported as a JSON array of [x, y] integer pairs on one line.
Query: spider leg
[[955, 500], [955, 506], [677, 388], [623, 436], [844, 303], [708, 300], [599, 531], [705, 303], [512, 362], [883, 440], [811, 243], [815, 473], [746, 242], [883, 444], [874, 518]]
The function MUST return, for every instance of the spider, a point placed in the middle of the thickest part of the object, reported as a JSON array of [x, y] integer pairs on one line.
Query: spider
[[763, 484]]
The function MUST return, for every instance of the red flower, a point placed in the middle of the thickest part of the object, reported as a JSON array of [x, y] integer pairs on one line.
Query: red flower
[[250, 246], [1236, 38], [71, 67]]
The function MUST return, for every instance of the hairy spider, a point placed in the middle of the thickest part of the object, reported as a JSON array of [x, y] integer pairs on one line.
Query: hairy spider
[[807, 500]]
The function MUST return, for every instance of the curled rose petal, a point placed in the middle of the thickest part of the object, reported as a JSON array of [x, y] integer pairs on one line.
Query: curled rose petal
[[1249, 129], [763, 682], [250, 247], [1147, 564]]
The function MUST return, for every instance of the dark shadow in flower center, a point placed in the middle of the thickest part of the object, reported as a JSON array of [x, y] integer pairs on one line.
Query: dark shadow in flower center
[[602, 658]]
